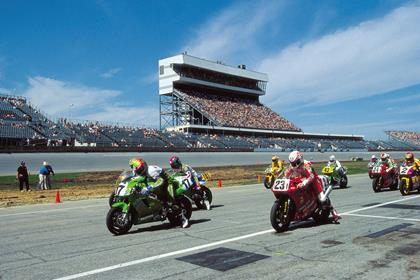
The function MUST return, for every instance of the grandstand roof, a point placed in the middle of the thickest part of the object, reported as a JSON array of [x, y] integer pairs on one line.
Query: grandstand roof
[[267, 132]]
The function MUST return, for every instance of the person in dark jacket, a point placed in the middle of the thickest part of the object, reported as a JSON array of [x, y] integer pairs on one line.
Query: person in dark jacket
[[22, 176]]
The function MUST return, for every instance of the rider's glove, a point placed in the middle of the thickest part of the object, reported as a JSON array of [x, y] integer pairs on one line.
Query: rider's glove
[[389, 169], [146, 190]]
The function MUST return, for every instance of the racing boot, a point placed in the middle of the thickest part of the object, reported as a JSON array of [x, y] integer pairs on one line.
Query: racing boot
[[184, 220], [335, 216]]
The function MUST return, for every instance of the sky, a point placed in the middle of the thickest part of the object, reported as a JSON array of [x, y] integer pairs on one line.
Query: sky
[[350, 67]]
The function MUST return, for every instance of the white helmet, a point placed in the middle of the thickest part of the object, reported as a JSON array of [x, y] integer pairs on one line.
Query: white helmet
[[332, 158], [373, 158], [295, 158]]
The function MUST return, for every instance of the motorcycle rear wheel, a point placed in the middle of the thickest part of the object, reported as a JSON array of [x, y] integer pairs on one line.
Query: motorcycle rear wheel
[[115, 224], [344, 181], [321, 216], [180, 205], [280, 214], [375, 185], [207, 195]]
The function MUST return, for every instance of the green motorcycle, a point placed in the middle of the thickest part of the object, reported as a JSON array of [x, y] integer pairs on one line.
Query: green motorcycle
[[336, 177], [131, 207], [197, 193]]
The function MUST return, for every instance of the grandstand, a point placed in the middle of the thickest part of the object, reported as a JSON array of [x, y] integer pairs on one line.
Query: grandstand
[[204, 106]]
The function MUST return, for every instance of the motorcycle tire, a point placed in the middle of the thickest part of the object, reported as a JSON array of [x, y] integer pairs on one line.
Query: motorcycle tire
[[207, 196], [281, 223], [180, 204], [394, 186], [375, 185], [404, 190], [111, 199], [267, 183], [344, 181], [112, 222], [321, 216]]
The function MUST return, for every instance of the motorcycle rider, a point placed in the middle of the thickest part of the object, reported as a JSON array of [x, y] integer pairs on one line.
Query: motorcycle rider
[[178, 166], [302, 168], [337, 164], [153, 179], [391, 167], [276, 166], [410, 160], [150, 179]]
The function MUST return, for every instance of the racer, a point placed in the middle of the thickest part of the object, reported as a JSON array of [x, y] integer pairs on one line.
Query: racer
[[150, 179], [373, 161], [276, 166], [391, 167], [410, 160], [302, 168], [178, 166], [337, 164]]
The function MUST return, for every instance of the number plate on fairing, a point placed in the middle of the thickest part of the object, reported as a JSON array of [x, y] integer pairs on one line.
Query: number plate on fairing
[[404, 170], [281, 185], [376, 169]]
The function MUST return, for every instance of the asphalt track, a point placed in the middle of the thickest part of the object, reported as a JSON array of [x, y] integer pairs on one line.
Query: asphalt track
[[76, 162], [378, 238]]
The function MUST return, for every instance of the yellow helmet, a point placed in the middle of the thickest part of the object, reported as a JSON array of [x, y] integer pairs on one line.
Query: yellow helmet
[[275, 158]]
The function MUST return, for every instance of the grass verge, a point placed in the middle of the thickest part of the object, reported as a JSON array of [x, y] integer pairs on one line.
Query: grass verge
[[88, 185]]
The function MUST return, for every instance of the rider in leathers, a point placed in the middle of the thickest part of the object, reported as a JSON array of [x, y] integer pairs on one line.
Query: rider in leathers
[[391, 167], [337, 165], [302, 168], [177, 166]]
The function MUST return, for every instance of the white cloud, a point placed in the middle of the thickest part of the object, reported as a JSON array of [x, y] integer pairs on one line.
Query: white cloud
[[233, 31], [110, 73], [371, 58], [64, 99]]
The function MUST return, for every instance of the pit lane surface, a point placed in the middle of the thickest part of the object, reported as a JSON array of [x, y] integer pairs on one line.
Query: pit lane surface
[[378, 238]]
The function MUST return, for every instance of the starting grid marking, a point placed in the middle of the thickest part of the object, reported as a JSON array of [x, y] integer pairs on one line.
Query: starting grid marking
[[352, 213], [204, 246]]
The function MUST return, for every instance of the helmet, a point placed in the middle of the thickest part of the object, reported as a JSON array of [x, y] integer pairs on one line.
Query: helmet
[[275, 158], [22, 163], [409, 157], [139, 166], [174, 162], [384, 156], [295, 158], [332, 158], [373, 158]]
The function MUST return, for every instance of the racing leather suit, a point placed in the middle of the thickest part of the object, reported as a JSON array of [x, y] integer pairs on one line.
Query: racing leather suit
[[338, 166], [187, 170], [391, 167], [157, 179], [309, 176], [277, 168]]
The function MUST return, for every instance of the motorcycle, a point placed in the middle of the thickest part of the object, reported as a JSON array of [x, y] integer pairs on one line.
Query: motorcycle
[[270, 176], [336, 177], [133, 208], [121, 182], [371, 165], [198, 193], [294, 204], [381, 179], [409, 180]]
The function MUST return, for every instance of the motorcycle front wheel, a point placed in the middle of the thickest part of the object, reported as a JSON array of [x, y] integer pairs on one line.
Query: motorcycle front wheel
[[280, 214], [404, 189], [375, 185], [118, 222]]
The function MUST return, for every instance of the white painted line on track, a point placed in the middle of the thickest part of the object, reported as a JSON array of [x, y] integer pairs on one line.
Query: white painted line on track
[[204, 246], [378, 205], [383, 217], [49, 210], [153, 258]]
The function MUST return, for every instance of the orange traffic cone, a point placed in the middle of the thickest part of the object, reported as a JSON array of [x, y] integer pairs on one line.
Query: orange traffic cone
[[219, 183], [57, 197]]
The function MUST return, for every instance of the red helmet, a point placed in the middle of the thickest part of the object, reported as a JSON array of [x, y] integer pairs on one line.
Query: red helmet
[[174, 162], [295, 158], [139, 166]]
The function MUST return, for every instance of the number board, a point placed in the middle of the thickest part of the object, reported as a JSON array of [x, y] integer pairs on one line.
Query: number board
[[281, 185]]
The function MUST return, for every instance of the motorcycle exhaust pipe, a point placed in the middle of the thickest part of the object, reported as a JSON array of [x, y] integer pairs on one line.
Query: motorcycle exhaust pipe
[[324, 195]]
